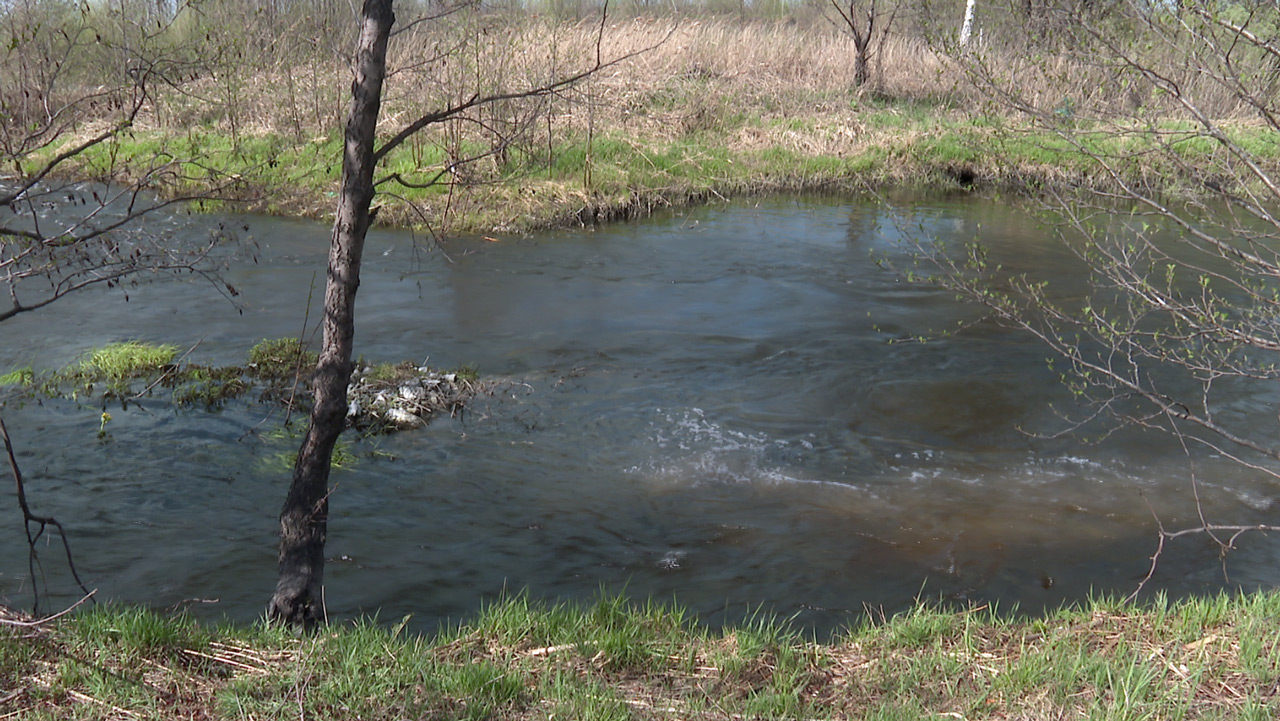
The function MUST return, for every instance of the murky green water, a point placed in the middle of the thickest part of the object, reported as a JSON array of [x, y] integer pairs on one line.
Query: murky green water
[[703, 407]]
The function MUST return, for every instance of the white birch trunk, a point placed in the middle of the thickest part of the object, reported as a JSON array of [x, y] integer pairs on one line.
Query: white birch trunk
[[966, 30]]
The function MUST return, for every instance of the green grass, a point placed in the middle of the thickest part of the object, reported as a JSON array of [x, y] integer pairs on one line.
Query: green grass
[[114, 366], [388, 372], [120, 369], [1212, 657], [18, 377], [135, 633], [699, 153], [615, 173], [278, 358], [129, 359]]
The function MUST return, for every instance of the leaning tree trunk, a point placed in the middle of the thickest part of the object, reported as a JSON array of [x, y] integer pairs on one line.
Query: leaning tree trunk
[[303, 521]]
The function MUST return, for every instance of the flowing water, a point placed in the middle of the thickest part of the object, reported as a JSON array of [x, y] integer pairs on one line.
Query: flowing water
[[703, 407]]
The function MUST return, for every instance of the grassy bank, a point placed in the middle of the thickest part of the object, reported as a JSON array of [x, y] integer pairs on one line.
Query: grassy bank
[[1198, 659], [617, 175], [711, 108]]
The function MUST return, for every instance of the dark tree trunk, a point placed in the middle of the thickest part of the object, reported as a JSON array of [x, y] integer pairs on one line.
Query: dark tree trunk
[[861, 66], [861, 40], [303, 520]]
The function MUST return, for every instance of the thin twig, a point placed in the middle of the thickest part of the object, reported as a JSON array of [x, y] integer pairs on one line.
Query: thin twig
[[86, 698], [28, 518], [1155, 557], [302, 353], [168, 371], [47, 619]]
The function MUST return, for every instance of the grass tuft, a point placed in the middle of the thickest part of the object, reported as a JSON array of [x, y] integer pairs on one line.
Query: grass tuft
[[18, 377], [129, 359], [280, 358], [135, 632]]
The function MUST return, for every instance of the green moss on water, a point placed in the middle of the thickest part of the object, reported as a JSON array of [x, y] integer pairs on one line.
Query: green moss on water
[[207, 387]]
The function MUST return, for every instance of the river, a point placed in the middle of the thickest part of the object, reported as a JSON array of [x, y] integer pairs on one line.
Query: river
[[703, 407]]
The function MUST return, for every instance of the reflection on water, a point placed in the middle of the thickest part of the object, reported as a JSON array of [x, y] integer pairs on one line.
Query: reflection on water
[[704, 407]]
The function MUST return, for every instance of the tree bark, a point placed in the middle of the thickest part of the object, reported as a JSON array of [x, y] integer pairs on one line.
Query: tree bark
[[861, 41], [298, 599], [966, 28]]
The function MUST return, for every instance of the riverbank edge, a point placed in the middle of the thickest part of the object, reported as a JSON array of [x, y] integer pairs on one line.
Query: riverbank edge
[[1216, 657], [272, 175]]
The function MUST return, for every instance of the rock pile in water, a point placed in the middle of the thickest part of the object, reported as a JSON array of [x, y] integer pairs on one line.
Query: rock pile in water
[[392, 398]]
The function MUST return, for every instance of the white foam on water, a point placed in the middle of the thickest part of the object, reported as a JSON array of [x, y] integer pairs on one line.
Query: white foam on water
[[671, 560], [1256, 501], [689, 448], [692, 449], [1065, 478]]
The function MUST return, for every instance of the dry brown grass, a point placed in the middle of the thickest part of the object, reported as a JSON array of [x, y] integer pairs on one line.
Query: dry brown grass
[[680, 73], [683, 110]]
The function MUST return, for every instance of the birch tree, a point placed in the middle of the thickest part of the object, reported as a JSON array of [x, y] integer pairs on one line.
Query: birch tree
[[966, 27]]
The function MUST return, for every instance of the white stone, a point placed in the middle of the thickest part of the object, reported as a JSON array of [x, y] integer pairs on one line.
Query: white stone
[[403, 418]]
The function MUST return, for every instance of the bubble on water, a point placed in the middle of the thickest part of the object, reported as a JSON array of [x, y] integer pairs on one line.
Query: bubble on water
[[671, 560]]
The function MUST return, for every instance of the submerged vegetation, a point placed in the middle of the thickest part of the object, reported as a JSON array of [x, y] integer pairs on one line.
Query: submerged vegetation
[[383, 397], [1202, 658]]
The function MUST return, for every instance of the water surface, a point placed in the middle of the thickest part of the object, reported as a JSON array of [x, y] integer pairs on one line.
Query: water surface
[[706, 407]]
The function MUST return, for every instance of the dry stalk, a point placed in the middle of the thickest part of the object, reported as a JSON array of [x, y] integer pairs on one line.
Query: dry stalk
[[22, 623], [86, 698]]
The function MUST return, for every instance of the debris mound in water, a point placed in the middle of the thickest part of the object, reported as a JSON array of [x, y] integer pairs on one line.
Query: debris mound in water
[[387, 398]]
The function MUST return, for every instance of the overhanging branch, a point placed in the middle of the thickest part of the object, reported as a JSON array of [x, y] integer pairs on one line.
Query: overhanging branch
[[477, 100]]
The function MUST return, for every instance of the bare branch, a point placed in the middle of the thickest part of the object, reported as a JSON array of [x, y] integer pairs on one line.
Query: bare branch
[[30, 518], [478, 100], [48, 619]]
